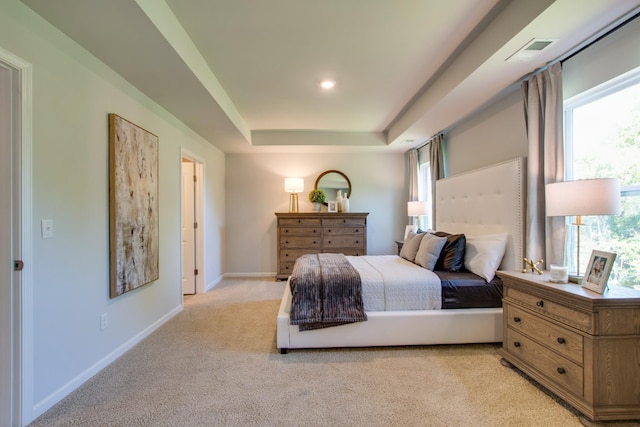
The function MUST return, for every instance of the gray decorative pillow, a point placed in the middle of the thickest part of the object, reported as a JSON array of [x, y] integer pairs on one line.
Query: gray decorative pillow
[[411, 246], [429, 251]]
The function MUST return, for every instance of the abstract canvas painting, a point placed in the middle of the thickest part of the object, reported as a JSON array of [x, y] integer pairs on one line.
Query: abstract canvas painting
[[133, 206]]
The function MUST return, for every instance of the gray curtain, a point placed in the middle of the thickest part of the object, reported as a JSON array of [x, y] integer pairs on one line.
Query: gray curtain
[[545, 164], [436, 160]]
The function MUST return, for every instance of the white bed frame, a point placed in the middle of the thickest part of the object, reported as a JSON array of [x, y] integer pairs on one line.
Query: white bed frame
[[484, 201]]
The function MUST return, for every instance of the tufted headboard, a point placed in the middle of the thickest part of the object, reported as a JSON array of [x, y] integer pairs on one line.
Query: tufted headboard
[[486, 201]]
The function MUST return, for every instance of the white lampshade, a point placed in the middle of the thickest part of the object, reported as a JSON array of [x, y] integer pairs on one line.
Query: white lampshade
[[417, 208], [293, 185], [583, 197]]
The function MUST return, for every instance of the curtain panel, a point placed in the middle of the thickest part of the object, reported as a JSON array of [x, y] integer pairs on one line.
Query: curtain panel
[[543, 109]]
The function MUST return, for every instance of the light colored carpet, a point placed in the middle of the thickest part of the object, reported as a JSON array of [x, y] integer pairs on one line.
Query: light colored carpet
[[216, 364]]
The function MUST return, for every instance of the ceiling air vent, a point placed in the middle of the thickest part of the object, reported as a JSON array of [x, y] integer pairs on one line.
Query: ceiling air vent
[[530, 50]]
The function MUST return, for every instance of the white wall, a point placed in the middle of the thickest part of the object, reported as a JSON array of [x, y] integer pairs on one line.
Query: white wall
[[494, 134], [72, 95], [255, 191]]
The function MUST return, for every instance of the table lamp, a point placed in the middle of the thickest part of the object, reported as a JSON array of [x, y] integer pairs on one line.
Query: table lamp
[[582, 197], [417, 209], [293, 186]]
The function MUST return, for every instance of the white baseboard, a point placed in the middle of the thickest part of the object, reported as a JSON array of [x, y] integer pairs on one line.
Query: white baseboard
[[55, 397], [232, 275]]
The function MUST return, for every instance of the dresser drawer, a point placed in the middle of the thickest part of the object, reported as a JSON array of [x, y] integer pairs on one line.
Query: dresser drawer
[[284, 222], [342, 241], [301, 242], [578, 319], [290, 255], [557, 338], [342, 221], [285, 268], [300, 231], [355, 231], [556, 368]]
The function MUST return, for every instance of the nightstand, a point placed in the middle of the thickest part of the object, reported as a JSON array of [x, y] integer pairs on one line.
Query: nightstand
[[580, 345], [400, 243]]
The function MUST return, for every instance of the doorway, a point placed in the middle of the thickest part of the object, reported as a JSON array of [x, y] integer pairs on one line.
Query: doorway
[[192, 226], [15, 246]]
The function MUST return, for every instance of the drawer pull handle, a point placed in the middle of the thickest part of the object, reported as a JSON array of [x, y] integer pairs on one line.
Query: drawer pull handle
[[561, 340], [561, 371], [516, 319], [540, 303], [516, 344], [286, 242], [329, 241], [314, 242], [299, 221], [357, 241], [357, 230]]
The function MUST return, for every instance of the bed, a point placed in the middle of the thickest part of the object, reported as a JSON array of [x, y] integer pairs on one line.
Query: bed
[[485, 201]]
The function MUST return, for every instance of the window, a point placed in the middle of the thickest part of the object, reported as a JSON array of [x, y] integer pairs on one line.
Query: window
[[424, 188], [602, 139]]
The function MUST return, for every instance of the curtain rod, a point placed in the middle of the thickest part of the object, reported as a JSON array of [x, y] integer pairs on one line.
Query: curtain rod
[[621, 23], [606, 33]]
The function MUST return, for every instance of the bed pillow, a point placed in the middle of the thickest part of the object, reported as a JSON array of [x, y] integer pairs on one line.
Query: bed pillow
[[429, 251], [452, 255], [483, 254], [411, 246]]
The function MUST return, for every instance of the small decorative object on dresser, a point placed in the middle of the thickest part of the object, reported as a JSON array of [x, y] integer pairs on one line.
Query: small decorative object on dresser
[[580, 345], [332, 206], [313, 233], [598, 270]]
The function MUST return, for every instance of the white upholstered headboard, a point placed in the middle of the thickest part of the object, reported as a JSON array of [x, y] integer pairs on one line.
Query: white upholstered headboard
[[486, 201]]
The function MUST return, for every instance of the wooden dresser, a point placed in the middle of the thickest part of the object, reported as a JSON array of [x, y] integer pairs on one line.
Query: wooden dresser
[[582, 346], [316, 232]]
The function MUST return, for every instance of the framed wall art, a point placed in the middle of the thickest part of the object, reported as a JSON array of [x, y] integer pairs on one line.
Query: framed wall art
[[133, 206], [598, 271]]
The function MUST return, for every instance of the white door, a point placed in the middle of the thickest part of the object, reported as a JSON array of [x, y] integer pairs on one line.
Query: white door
[[9, 280], [189, 224]]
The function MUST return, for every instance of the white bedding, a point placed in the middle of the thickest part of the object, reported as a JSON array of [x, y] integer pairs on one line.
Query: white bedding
[[390, 283]]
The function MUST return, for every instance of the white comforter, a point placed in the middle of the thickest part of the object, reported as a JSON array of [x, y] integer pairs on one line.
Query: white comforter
[[390, 282]]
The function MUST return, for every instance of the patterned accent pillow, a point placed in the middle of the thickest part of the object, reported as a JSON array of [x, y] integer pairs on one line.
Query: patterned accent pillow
[[429, 250]]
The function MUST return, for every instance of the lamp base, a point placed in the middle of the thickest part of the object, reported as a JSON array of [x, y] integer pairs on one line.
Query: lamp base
[[293, 203]]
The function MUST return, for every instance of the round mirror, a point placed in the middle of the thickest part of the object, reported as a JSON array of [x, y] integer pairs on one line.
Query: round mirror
[[331, 181]]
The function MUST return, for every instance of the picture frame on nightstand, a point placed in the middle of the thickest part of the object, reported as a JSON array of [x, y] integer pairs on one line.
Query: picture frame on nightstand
[[410, 229], [598, 270]]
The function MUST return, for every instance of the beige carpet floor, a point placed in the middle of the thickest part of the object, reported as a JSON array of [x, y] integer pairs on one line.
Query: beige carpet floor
[[216, 364]]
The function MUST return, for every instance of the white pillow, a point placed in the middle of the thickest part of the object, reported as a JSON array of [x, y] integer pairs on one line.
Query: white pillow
[[411, 246], [483, 254], [429, 251]]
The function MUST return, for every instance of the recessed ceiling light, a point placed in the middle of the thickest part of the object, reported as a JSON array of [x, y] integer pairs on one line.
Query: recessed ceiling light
[[327, 84]]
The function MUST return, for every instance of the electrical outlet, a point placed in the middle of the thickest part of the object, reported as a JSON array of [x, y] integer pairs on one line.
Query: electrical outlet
[[104, 322]]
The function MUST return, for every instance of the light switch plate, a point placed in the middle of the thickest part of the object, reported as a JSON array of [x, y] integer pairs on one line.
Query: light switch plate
[[47, 228]]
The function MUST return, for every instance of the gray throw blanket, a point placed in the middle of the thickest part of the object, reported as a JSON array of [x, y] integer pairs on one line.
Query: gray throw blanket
[[326, 290]]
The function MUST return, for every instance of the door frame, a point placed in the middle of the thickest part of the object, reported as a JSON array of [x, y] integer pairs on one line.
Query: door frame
[[22, 300], [199, 214]]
